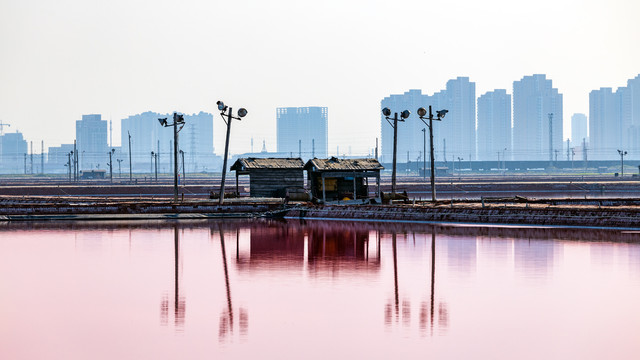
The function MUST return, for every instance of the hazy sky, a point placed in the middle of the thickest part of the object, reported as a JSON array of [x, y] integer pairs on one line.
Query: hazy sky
[[61, 59]]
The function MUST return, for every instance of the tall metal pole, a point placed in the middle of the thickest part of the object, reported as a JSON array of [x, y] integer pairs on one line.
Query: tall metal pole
[[175, 157], [130, 169], [110, 167], [226, 154], [432, 157], [156, 159], [395, 150], [424, 153], [184, 173], [75, 161], [550, 139]]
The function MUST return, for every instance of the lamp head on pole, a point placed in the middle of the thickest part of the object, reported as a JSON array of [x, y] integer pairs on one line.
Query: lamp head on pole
[[386, 111], [405, 114], [242, 112], [422, 112], [221, 106], [441, 113], [163, 121]]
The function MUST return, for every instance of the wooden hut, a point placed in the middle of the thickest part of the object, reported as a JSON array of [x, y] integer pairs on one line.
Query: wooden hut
[[270, 177], [337, 179]]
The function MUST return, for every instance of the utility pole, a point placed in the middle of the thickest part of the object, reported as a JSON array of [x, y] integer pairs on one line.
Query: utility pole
[[424, 151], [184, 174], [556, 152], [242, 112], [31, 171], [25, 163], [568, 150], [111, 164], [405, 114], [550, 139], [119, 168], [376, 149], [422, 112], [622, 154], [75, 161], [584, 153], [130, 167]]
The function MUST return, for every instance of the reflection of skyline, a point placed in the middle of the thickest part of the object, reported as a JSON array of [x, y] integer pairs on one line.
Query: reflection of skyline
[[534, 258]]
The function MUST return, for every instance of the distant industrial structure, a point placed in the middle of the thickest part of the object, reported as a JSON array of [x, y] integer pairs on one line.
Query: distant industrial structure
[[303, 131]]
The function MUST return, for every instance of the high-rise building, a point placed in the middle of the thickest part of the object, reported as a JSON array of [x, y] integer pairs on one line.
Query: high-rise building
[[614, 120], [605, 123], [494, 125], [458, 129], [13, 153], [579, 129], [303, 130], [91, 142], [195, 139], [534, 99]]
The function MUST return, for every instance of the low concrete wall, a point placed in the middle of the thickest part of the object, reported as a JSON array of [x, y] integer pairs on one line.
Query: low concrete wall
[[564, 216]]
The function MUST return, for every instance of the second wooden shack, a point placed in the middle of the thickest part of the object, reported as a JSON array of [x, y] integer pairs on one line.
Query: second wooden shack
[[270, 177]]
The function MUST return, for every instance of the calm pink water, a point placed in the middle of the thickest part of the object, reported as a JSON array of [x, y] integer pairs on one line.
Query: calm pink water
[[316, 291]]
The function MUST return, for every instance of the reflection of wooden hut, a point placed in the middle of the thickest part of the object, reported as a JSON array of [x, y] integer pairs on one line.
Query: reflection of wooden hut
[[270, 176], [337, 179]]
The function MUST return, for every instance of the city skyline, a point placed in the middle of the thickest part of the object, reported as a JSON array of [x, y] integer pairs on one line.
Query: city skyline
[[115, 60]]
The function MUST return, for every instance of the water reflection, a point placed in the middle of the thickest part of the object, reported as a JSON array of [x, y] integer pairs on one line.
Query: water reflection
[[226, 317], [426, 316], [179, 302], [422, 288]]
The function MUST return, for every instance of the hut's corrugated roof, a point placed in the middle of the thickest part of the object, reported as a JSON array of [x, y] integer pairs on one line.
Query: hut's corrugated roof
[[267, 163], [344, 164]]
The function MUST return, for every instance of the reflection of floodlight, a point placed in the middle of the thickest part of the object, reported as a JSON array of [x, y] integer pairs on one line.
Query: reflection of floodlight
[[242, 112], [405, 114], [422, 112], [386, 111], [442, 113], [220, 105]]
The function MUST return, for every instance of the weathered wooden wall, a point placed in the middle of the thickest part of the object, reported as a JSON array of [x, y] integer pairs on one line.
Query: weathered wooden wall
[[267, 182]]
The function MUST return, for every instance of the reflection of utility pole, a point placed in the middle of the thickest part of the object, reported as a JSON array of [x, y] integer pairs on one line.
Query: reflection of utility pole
[[433, 271], [395, 271]]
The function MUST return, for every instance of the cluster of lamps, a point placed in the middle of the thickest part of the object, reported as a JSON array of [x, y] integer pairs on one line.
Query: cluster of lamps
[[424, 116]]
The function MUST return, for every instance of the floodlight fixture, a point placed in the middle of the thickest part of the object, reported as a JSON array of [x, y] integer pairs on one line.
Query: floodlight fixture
[[442, 113], [386, 112], [163, 121], [221, 106], [405, 114], [422, 112], [242, 112]]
